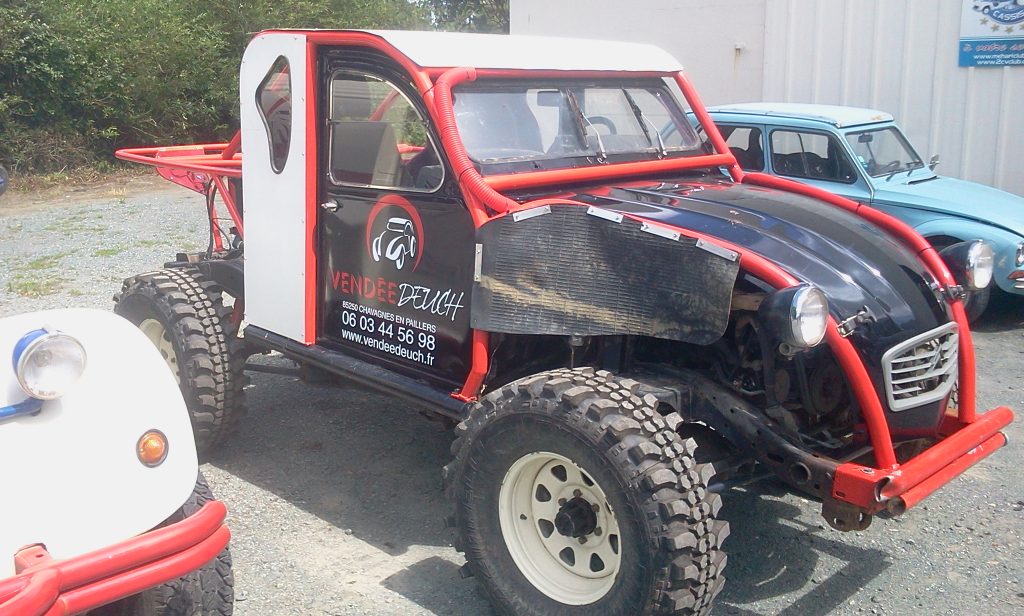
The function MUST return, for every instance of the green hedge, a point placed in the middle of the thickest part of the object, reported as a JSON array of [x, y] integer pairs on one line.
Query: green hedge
[[80, 78]]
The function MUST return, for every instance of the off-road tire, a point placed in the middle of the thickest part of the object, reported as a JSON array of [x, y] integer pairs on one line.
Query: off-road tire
[[209, 354], [671, 540], [207, 591]]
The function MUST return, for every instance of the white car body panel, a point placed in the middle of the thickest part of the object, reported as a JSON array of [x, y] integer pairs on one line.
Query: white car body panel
[[72, 480], [517, 51], [275, 203]]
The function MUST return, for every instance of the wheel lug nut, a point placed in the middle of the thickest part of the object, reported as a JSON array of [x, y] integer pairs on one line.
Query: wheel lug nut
[[596, 507], [583, 540], [598, 532], [561, 502], [577, 493]]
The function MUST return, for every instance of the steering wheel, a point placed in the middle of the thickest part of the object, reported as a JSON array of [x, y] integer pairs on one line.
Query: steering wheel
[[603, 121]]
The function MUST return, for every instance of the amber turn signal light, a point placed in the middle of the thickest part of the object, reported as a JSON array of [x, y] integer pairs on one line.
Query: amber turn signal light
[[152, 448]]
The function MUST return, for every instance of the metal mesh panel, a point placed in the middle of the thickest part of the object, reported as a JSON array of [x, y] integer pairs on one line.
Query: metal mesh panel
[[568, 272]]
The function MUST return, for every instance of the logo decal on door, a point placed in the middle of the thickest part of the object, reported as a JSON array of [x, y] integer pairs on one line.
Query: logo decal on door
[[394, 232]]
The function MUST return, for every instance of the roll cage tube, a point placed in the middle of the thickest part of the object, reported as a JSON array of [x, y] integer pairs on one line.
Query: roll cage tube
[[865, 487]]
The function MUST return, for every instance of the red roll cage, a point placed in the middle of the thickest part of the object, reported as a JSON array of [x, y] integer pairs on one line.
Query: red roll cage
[[968, 438]]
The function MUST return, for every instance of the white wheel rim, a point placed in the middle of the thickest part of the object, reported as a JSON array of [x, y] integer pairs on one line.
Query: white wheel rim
[[557, 564], [157, 334]]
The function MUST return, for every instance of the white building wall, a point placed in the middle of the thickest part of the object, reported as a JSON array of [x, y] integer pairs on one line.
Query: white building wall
[[895, 55]]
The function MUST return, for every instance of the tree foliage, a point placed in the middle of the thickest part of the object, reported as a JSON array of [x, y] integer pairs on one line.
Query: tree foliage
[[468, 15], [79, 78]]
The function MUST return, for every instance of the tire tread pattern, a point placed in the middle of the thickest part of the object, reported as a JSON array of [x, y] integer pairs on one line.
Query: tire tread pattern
[[211, 358], [207, 591], [660, 464]]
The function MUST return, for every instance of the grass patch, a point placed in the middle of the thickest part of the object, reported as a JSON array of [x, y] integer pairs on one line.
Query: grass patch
[[74, 224], [34, 287], [82, 177], [37, 278], [44, 262], [109, 252]]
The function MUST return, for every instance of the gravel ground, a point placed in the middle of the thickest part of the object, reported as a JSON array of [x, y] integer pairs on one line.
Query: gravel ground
[[335, 493]]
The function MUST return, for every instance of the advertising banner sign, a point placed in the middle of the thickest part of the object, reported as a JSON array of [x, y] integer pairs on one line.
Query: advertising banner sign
[[992, 32]]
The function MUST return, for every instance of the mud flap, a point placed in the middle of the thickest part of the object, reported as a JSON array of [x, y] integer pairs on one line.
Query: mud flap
[[572, 270]]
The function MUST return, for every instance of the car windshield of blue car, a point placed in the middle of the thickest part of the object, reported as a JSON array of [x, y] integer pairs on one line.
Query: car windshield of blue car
[[530, 126], [883, 152]]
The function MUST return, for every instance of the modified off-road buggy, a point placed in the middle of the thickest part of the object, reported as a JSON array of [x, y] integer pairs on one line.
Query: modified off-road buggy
[[527, 237], [105, 511]]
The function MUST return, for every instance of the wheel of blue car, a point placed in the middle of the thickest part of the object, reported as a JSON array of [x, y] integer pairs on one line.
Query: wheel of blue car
[[184, 315], [4, 179], [572, 495]]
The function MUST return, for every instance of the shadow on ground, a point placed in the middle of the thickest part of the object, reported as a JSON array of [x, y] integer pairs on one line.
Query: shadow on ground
[[369, 463], [773, 553], [1005, 312]]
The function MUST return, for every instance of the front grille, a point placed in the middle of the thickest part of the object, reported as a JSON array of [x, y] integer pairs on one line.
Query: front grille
[[922, 369]]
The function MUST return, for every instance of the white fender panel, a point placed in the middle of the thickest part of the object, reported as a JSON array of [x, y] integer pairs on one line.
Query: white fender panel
[[70, 476]]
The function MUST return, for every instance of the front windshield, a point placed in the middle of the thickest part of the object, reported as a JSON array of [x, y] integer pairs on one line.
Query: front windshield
[[884, 151], [544, 124]]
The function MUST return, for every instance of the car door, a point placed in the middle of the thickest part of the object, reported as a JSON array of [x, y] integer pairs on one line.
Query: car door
[[746, 142], [817, 158], [396, 242]]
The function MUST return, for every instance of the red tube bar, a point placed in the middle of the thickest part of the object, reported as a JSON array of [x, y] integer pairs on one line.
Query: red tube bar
[[924, 464], [710, 128], [931, 259], [478, 370], [234, 146], [469, 178], [146, 576], [31, 595], [946, 474], [229, 203], [533, 179], [118, 571]]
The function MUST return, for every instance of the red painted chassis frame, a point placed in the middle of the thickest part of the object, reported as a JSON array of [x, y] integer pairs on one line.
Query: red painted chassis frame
[[43, 586], [967, 438]]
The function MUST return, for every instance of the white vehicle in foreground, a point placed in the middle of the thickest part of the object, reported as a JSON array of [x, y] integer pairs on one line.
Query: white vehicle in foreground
[[103, 512]]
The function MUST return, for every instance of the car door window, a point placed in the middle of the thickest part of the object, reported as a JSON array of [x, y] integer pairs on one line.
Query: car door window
[[810, 155], [378, 138], [746, 145]]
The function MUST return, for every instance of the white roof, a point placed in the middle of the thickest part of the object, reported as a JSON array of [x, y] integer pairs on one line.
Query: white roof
[[516, 51], [832, 114]]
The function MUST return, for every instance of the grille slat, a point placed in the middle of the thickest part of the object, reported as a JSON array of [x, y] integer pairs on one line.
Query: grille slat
[[923, 369]]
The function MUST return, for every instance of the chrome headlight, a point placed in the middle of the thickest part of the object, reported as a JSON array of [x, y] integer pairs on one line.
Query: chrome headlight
[[48, 363], [1019, 259], [796, 316], [971, 263]]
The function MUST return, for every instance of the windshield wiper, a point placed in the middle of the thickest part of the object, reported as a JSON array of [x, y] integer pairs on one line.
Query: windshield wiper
[[662, 152], [602, 154]]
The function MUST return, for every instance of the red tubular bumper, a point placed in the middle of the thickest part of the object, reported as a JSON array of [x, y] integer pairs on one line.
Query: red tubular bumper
[[88, 581], [905, 485]]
